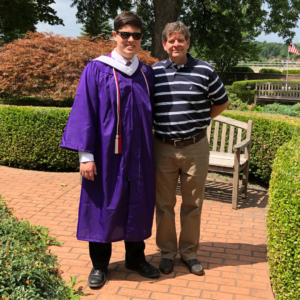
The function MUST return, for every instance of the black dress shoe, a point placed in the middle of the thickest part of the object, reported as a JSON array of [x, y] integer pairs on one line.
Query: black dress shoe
[[194, 266], [166, 265], [96, 278], [144, 269]]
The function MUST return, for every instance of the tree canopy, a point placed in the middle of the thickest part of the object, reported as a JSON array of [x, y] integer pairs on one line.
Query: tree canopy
[[93, 13], [17, 17], [276, 50]]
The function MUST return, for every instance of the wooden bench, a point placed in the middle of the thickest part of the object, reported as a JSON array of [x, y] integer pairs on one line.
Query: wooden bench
[[277, 91], [227, 158]]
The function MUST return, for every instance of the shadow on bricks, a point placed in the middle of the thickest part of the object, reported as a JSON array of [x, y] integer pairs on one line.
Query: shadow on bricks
[[212, 255], [222, 192]]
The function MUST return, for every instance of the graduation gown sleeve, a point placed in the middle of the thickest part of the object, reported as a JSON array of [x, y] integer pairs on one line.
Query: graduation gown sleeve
[[81, 129]]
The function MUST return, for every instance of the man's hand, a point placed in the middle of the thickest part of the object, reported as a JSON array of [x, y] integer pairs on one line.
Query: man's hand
[[217, 109], [88, 170]]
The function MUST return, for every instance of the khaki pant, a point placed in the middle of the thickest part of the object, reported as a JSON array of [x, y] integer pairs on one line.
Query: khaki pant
[[191, 164]]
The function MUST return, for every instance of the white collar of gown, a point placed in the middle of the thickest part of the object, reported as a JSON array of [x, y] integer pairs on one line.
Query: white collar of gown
[[118, 62]]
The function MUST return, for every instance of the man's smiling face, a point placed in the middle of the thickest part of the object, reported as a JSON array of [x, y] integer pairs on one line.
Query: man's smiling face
[[176, 46], [127, 47]]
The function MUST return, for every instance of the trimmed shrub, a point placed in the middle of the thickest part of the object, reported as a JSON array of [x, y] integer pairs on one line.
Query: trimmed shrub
[[245, 96], [241, 85], [27, 269], [47, 65], [280, 109], [30, 138], [269, 71], [269, 133], [295, 72], [235, 103], [34, 101], [239, 69], [283, 222]]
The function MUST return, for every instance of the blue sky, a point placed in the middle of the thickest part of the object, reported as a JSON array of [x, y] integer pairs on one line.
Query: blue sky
[[71, 28]]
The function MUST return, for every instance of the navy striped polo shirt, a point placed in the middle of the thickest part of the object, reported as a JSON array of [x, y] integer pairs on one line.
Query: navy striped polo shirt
[[183, 97]]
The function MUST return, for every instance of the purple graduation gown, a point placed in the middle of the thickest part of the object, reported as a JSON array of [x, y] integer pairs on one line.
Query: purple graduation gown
[[119, 203]]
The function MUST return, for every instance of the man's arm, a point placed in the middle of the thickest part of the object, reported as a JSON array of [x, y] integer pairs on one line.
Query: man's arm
[[217, 109]]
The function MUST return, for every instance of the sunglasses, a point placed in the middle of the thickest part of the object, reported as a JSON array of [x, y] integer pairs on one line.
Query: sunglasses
[[126, 35]]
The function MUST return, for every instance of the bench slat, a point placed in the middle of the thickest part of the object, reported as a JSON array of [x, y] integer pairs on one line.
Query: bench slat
[[224, 129], [231, 122], [239, 135], [231, 135], [208, 132], [216, 135], [286, 91]]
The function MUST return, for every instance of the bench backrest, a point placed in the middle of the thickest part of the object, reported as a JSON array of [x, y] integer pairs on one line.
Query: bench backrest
[[227, 139], [278, 89]]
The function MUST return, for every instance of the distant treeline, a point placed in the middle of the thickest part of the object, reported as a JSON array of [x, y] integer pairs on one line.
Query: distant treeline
[[276, 50]]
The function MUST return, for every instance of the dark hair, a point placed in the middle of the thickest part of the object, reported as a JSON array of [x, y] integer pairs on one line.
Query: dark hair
[[171, 28], [128, 18]]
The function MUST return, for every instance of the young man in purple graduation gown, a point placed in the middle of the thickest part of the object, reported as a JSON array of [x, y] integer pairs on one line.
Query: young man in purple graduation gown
[[110, 125]]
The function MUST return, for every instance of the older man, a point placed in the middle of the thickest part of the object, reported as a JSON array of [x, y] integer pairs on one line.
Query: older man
[[188, 94]]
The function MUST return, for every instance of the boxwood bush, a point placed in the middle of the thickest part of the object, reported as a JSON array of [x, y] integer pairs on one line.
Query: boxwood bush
[[269, 71], [241, 85], [295, 72], [35, 101], [27, 269], [283, 222], [288, 110], [30, 138], [269, 133], [239, 69]]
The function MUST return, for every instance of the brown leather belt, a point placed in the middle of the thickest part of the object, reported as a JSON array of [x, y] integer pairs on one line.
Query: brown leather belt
[[182, 143]]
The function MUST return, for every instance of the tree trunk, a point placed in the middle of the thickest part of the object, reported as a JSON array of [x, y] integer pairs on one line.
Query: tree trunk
[[165, 11]]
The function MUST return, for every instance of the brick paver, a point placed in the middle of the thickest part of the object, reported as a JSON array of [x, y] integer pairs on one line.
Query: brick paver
[[232, 245]]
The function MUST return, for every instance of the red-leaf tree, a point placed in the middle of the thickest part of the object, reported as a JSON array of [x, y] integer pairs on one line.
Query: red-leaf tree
[[48, 65]]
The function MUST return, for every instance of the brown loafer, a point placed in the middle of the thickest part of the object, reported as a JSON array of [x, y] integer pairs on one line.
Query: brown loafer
[[194, 266], [166, 265]]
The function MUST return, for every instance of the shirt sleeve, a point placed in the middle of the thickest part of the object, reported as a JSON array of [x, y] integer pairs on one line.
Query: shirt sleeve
[[85, 156], [216, 90], [81, 128]]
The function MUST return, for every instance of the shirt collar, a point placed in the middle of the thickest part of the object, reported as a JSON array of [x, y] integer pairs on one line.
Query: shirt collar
[[121, 59], [189, 63]]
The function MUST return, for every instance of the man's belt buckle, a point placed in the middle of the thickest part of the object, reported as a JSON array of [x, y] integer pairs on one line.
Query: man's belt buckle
[[176, 145]]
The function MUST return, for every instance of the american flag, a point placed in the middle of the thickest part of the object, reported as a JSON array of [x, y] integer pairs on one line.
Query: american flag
[[293, 49]]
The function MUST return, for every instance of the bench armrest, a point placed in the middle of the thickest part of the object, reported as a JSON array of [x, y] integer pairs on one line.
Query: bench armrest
[[242, 145]]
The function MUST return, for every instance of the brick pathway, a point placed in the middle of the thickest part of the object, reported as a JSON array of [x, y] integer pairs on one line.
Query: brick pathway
[[232, 246]]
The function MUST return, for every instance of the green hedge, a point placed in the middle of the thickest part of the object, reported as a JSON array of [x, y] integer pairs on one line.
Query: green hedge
[[235, 103], [241, 85], [269, 133], [269, 71], [283, 222], [295, 72], [281, 109], [30, 138], [239, 69], [245, 96], [33, 101], [27, 269]]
